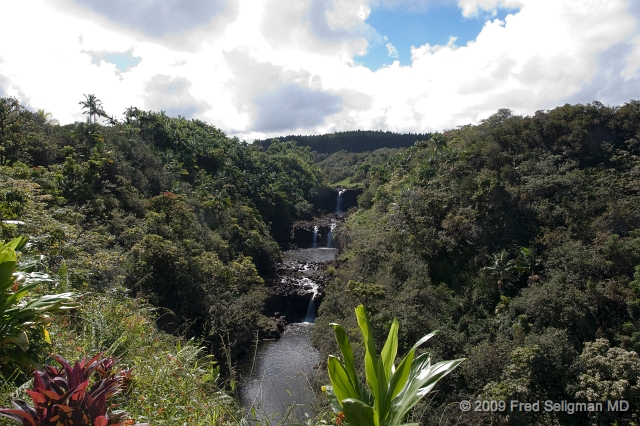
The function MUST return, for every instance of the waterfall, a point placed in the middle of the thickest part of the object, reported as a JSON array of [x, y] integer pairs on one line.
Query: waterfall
[[330, 234], [311, 307], [311, 310], [315, 236], [339, 201]]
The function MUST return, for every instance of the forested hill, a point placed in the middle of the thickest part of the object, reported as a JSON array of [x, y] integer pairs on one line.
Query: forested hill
[[171, 209], [518, 239], [353, 141]]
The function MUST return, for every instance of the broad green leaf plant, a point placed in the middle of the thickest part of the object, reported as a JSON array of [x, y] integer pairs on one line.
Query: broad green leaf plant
[[391, 391], [23, 318]]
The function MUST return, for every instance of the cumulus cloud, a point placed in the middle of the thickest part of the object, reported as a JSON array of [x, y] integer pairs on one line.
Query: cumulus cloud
[[472, 7], [276, 98], [609, 85], [391, 50], [258, 69], [292, 107], [335, 28], [410, 5], [4, 81], [173, 95], [158, 18]]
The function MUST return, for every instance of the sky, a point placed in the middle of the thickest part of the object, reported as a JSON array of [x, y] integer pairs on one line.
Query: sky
[[265, 68]]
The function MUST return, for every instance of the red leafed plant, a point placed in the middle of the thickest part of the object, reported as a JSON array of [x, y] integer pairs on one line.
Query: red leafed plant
[[65, 397]]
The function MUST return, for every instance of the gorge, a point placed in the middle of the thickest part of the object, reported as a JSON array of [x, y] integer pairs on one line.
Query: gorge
[[279, 380]]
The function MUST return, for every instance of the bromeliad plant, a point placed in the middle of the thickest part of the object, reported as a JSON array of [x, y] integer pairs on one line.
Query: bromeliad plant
[[65, 397], [23, 319], [392, 391]]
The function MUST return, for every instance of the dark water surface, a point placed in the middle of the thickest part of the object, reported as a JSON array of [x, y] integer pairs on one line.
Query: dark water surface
[[282, 375], [277, 383]]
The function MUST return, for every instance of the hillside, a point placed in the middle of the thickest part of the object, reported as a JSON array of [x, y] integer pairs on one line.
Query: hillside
[[519, 239], [352, 141]]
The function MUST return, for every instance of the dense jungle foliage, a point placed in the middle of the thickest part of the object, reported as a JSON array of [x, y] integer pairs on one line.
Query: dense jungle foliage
[[161, 209], [352, 141], [519, 239]]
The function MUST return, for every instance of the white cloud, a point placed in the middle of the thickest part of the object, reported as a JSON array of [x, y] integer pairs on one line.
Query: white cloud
[[259, 69], [391, 50], [472, 7]]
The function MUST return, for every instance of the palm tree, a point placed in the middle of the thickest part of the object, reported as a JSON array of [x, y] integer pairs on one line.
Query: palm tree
[[94, 107], [500, 269], [46, 117], [527, 261]]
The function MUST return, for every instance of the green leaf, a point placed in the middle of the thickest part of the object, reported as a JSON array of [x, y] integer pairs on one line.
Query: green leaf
[[357, 413], [370, 358], [349, 365], [333, 400], [400, 376], [373, 368], [18, 243], [390, 349], [342, 386], [21, 340], [424, 339], [8, 260], [422, 378], [393, 393]]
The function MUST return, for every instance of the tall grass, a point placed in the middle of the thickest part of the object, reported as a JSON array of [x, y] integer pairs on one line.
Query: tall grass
[[175, 383]]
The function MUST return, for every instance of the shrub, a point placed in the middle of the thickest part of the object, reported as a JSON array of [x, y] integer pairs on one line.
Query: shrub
[[22, 318], [392, 391], [63, 397]]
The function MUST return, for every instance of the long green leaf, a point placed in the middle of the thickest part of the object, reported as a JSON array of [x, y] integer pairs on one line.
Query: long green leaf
[[20, 340], [347, 356], [421, 381], [400, 376], [358, 413], [370, 357], [340, 381], [8, 260], [18, 243], [390, 349], [424, 339], [18, 295]]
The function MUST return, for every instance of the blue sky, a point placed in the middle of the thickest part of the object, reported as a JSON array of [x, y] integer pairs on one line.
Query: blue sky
[[262, 68], [403, 29]]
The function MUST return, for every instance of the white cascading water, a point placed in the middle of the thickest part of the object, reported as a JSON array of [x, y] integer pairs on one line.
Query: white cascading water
[[330, 234], [315, 236], [339, 201], [311, 307]]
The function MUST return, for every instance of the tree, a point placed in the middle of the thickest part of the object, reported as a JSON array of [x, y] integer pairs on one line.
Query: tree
[[500, 269], [46, 117], [93, 106], [527, 261], [13, 140], [89, 135], [439, 141]]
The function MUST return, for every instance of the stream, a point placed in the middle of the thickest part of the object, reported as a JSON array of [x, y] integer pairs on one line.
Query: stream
[[277, 381]]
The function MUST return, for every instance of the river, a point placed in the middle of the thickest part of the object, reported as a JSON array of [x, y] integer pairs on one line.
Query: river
[[277, 382]]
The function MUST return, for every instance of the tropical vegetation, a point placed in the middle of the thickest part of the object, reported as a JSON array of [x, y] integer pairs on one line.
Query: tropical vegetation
[[393, 391], [518, 238]]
